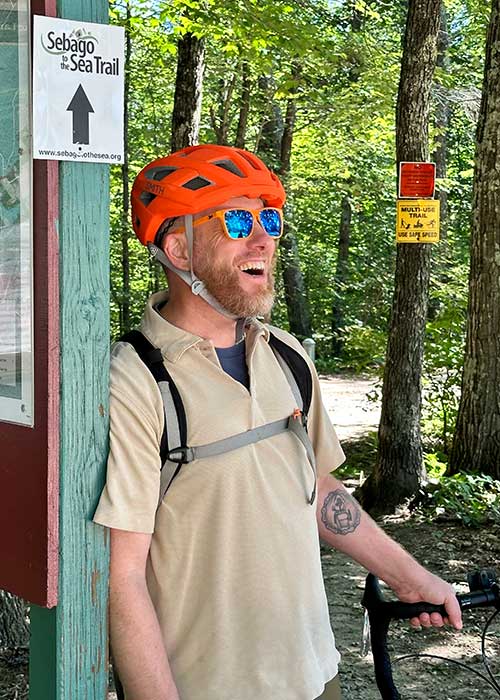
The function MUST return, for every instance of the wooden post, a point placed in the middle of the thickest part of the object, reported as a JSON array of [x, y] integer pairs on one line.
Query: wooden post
[[68, 650]]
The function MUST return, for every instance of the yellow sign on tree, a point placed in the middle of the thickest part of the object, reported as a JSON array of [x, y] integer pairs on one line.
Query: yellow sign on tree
[[417, 221]]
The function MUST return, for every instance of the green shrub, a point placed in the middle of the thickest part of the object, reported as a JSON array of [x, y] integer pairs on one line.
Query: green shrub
[[364, 347], [472, 499]]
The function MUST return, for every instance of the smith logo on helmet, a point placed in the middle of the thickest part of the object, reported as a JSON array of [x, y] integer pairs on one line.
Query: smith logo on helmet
[[154, 187]]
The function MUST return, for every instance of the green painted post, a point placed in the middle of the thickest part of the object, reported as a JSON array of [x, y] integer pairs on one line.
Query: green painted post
[[68, 649]]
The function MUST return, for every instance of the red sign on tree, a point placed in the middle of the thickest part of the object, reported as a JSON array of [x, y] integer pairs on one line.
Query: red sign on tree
[[416, 180]]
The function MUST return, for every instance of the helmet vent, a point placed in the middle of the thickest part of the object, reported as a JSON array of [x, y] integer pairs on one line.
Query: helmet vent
[[250, 160], [230, 166], [196, 183], [159, 173], [146, 197]]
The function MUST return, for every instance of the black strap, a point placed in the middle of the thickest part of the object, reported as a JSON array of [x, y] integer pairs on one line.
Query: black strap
[[298, 367], [153, 360]]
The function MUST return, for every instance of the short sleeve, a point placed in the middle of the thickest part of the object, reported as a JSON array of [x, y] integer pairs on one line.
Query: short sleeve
[[130, 496], [328, 452]]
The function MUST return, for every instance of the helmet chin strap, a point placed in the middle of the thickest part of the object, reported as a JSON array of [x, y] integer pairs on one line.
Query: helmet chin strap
[[196, 285]]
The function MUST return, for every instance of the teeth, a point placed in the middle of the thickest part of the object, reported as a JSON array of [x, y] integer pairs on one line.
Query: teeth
[[252, 266]]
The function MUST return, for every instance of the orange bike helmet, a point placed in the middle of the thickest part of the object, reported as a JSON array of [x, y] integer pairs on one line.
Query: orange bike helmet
[[197, 178]]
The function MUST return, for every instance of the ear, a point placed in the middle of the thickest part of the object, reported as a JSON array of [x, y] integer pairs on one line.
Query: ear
[[175, 248]]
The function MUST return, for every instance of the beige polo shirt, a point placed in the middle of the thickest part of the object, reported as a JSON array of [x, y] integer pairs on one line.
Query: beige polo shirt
[[234, 567]]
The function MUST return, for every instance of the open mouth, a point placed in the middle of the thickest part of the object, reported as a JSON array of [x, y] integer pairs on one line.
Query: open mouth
[[255, 269]]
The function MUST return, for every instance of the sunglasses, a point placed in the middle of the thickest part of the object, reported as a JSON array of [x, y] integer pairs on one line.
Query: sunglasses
[[240, 223]]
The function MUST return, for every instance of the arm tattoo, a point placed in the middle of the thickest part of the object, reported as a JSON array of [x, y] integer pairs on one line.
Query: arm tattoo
[[340, 512]]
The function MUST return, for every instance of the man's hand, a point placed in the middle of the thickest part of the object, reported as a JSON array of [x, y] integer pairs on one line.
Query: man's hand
[[344, 525], [432, 589]]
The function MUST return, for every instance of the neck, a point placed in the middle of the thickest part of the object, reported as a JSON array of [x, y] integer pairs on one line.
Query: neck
[[196, 316]]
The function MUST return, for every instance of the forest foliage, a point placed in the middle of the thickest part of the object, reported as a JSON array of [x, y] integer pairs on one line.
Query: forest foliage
[[339, 60]]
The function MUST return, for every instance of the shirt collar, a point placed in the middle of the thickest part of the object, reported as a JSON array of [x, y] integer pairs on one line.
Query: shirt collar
[[172, 341]]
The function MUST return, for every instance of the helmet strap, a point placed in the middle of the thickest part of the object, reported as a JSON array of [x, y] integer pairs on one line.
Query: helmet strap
[[196, 285]]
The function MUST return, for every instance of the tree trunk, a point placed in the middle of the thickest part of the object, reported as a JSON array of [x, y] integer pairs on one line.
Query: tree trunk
[[14, 628], [125, 223], [398, 471], [441, 122], [299, 317], [188, 92], [275, 145], [341, 277], [221, 121], [271, 132], [440, 156], [244, 106], [476, 442]]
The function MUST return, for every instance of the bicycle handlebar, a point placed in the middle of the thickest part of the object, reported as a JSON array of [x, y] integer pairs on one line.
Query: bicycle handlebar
[[381, 612]]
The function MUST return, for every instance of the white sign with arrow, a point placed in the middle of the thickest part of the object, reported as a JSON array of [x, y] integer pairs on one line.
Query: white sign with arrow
[[78, 85]]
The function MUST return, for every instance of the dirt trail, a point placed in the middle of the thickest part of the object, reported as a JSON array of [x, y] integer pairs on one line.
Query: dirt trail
[[351, 412], [446, 549]]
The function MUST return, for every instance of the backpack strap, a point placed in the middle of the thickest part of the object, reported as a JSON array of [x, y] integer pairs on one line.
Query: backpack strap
[[175, 425], [296, 371]]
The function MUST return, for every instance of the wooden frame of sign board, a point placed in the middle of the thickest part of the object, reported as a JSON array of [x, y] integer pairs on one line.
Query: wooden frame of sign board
[[69, 642], [30, 453]]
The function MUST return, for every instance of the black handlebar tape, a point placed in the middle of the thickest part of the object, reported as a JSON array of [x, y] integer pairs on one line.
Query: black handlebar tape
[[373, 600], [479, 599], [381, 612], [379, 627]]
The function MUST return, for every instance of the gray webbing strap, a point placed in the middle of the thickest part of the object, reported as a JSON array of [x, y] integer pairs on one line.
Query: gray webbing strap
[[297, 426], [172, 427], [293, 423], [195, 284], [239, 331], [234, 442], [249, 437], [291, 380]]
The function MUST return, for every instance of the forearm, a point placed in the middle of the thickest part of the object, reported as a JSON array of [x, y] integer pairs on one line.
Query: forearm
[[136, 642], [344, 525]]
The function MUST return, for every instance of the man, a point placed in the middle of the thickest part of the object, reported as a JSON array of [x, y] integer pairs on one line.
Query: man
[[217, 593]]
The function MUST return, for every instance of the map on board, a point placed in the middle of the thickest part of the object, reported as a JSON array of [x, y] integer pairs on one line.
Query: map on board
[[15, 227]]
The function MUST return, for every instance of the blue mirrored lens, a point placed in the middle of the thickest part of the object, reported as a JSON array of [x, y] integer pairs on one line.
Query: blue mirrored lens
[[239, 223], [270, 220]]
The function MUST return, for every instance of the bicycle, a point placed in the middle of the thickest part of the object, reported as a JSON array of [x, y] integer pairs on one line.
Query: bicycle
[[379, 612]]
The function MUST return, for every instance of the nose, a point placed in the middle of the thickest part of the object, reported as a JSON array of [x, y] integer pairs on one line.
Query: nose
[[259, 238]]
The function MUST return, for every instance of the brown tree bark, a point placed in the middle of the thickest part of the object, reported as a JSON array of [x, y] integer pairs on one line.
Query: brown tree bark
[[341, 275], [399, 471], [476, 442], [244, 106], [299, 317], [441, 122], [188, 92], [443, 262], [271, 132], [220, 120], [275, 145]]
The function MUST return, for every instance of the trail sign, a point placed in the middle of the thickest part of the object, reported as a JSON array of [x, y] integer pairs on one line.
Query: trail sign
[[78, 88], [416, 180], [417, 221]]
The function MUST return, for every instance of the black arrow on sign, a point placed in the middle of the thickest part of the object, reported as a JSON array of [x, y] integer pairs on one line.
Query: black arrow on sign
[[81, 108]]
